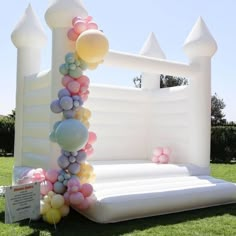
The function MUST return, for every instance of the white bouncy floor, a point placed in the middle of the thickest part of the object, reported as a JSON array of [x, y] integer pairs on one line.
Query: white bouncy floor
[[135, 189]]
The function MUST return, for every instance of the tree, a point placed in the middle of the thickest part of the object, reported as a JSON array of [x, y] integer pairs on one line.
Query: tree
[[172, 81], [12, 115], [217, 106], [165, 81]]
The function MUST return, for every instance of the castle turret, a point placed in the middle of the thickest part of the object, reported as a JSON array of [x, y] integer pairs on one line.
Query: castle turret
[[59, 17], [151, 48], [29, 38], [200, 46]]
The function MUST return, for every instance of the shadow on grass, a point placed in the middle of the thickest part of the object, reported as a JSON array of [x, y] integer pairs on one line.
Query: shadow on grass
[[75, 224]]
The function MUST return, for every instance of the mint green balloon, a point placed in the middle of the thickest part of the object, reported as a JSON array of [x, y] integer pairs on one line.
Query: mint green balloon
[[71, 135]]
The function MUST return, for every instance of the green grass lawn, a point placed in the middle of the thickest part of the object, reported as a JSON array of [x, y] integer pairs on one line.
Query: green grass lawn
[[205, 222]]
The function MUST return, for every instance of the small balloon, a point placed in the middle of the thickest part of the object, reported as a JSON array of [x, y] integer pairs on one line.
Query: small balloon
[[66, 103], [59, 187], [74, 168], [45, 187], [53, 216], [79, 26], [63, 162], [73, 86], [62, 93], [51, 175], [57, 201], [70, 58], [72, 35], [77, 72], [64, 210], [66, 79], [63, 69], [76, 198], [86, 190], [55, 106]]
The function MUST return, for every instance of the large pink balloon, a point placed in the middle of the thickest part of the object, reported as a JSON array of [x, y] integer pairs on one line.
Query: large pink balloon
[[76, 198], [86, 189], [45, 187]]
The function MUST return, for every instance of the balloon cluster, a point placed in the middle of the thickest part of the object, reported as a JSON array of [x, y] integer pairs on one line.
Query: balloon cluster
[[79, 25], [161, 155], [71, 184]]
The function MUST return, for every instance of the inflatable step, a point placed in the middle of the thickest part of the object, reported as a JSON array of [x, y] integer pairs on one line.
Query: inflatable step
[[124, 200]]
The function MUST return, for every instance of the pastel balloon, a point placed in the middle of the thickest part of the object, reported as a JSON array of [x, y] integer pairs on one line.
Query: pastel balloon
[[77, 18], [158, 151], [81, 156], [45, 187], [155, 159], [71, 135], [89, 18], [79, 26], [51, 175], [76, 198], [86, 190], [72, 35], [53, 216], [44, 207], [92, 138], [66, 103], [66, 79], [63, 69], [163, 159], [59, 187], [92, 25], [77, 72], [69, 114], [73, 181], [73, 86], [66, 198], [70, 58], [74, 168], [63, 92], [57, 201], [63, 162], [55, 106], [92, 46], [93, 66], [64, 210], [84, 204]]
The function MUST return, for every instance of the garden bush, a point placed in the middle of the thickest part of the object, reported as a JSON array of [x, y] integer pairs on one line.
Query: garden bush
[[7, 133], [223, 144]]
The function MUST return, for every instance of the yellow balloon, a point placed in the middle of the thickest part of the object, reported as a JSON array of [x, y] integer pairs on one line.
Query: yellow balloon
[[86, 174], [57, 201], [53, 216], [92, 46]]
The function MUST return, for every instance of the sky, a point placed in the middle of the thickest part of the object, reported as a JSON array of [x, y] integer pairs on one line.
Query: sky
[[127, 24]]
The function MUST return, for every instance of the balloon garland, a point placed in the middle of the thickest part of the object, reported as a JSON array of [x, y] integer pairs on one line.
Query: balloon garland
[[71, 185]]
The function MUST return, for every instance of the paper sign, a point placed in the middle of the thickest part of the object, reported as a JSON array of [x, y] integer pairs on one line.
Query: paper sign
[[22, 202]]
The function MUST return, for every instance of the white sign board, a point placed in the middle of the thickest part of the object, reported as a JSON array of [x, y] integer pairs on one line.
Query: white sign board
[[22, 202]]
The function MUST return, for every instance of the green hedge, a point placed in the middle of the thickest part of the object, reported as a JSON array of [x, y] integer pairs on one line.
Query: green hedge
[[7, 133], [223, 144]]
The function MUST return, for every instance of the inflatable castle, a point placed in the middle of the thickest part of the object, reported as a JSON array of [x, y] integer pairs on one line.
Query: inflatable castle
[[137, 128]]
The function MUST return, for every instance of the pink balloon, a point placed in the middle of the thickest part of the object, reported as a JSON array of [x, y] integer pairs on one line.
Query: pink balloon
[[83, 205], [158, 151], [166, 151], [77, 18], [67, 198], [92, 138], [83, 80], [66, 79], [163, 159], [92, 25], [89, 149], [86, 189], [73, 86], [76, 198], [79, 26], [72, 35], [51, 175], [155, 159], [89, 18], [45, 187]]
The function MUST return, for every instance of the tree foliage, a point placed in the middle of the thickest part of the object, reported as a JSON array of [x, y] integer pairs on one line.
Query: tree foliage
[[172, 81], [217, 106]]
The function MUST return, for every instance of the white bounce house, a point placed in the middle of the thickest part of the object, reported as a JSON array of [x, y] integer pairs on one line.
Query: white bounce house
[[129, 122]]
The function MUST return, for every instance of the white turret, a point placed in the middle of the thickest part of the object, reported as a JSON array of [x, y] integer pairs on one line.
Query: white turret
[[151, 48], [29, 38], [59, 17], [200, 46]]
